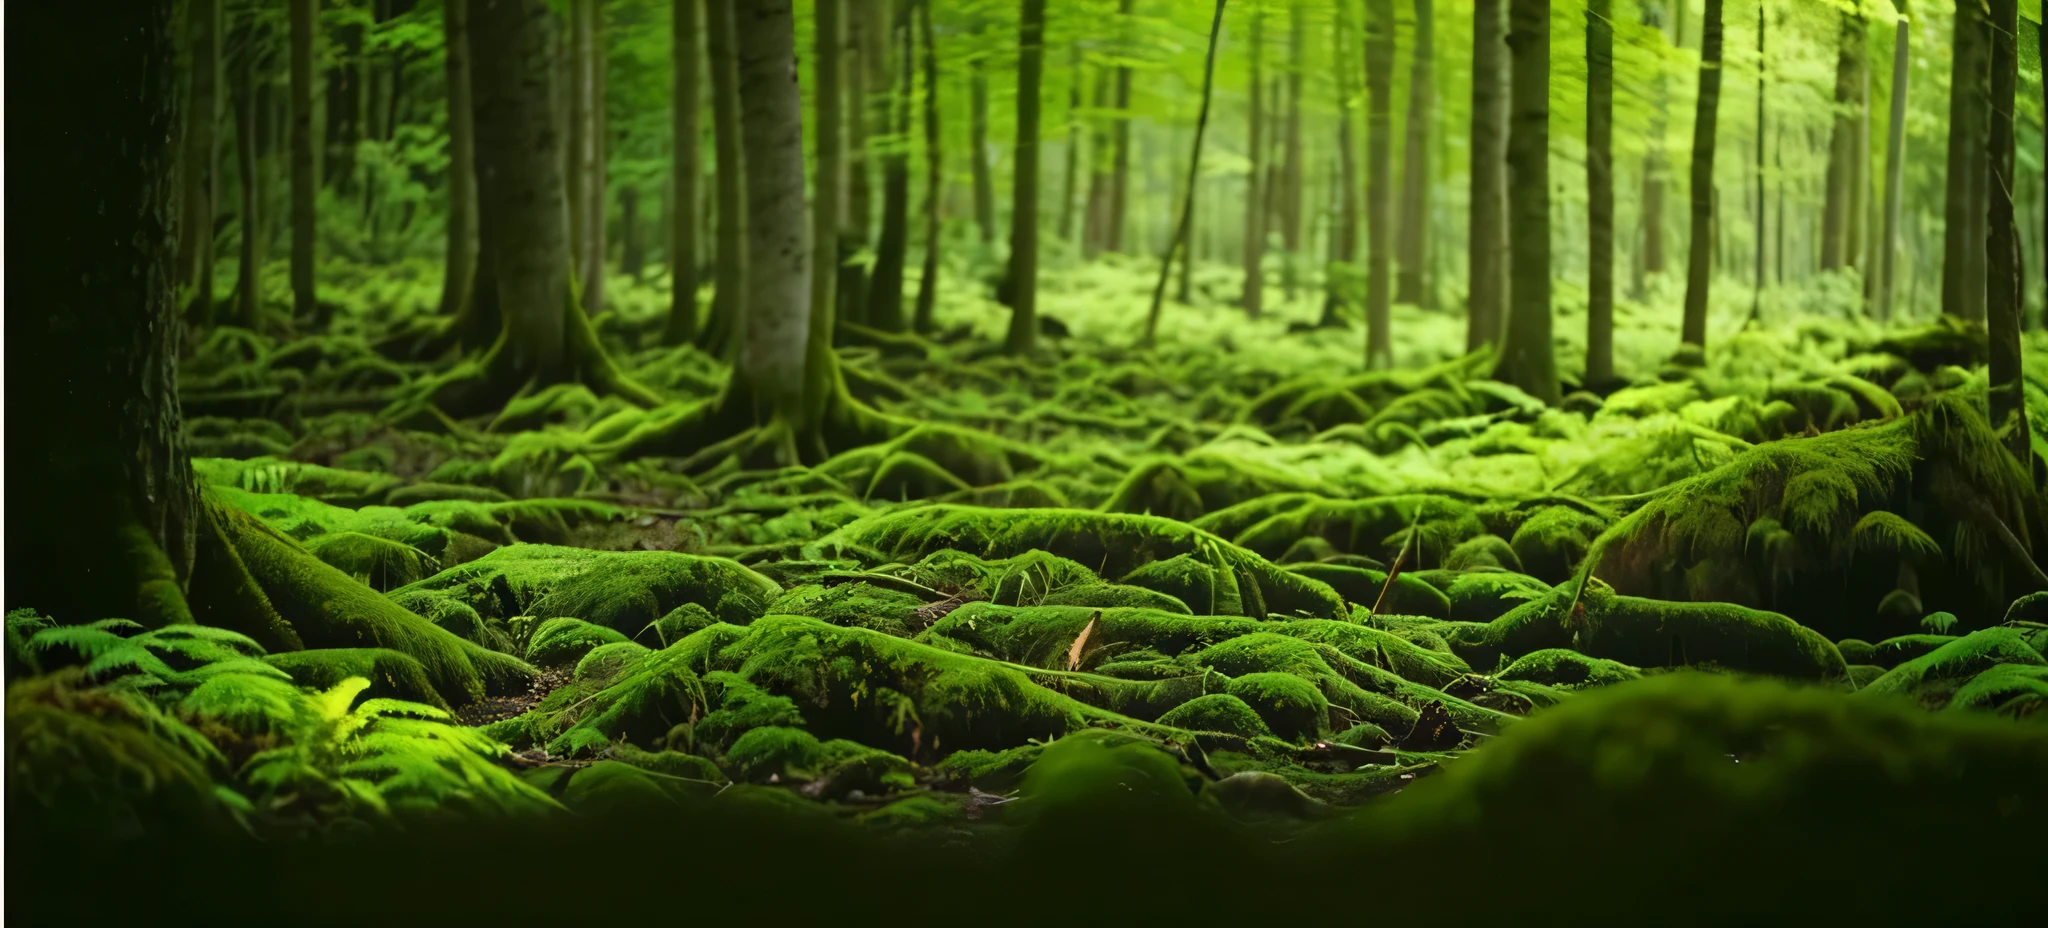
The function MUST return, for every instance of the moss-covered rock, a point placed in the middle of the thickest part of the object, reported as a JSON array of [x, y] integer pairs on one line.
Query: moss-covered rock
[[1409, 595], [1653, 633], [625, 591], [1561, 667], [1290, 706], [565, 641], [1217, 712], [392, 675]]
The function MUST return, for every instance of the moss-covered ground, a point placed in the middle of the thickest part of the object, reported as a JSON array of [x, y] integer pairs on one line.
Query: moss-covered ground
[[1214, 588]]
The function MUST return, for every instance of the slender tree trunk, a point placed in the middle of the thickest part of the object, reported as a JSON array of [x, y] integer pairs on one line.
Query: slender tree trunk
[[856, 194], [1073, 146], [1600, 192], [576, 65], [1527, 360], [1121, 167], [1976, 265], [1180, 241], [201, 158], [2004, 301], [683, 173], [1756, 297], [1414, 224], [1379, 80], [1291, 171], [1254, 202], [1345, 237], [828, 180], [730, 287], [632, 255], [1964, 154], [249, 276], [597, 151], [885, 286], [1024, 202], [780, 315], [1841, 181], [1486, 284], [1652, 259], [459, 267], [977, 129], [1699, 264], [934, 176], [1894, 167], [1101, 150], [1184, 288], [304, 17]]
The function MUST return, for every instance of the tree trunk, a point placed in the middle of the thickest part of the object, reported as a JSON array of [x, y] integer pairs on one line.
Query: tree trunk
[[1894, 168], [1699, 263], [977, 128], [1344, 242], [201, 158], [632, 255], [1379, 79], [828, 181], [934, 177], [885, 285], [575, 64], [1254, 202], [1180, 242], [98, 471], [304, 17], [683, 174], [1959, 288], [1600, 193], [1073, 146], [1486, 278], [1024, 200], [1836, 218], [1527, 360], [780, 273], [248, 297], [1414, 240], [857, 206], [597, 152], [1119, 185], [729, 294], [2004, 302], [1291, 165], [459, 267]]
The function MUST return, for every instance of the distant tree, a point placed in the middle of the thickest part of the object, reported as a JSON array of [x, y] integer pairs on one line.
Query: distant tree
[[688, 43], [2004, 302], [1526, 358], [1486, 285], [1379, 175], [459, 266], [1894, 167], [1699, 263], [884, 304], [934, 177], [1962, 265], [1024, 201], [304, 18], [1414, 242], [201, 157], [1254, 214], [1182, 229], [1600, 192], [729, 295]]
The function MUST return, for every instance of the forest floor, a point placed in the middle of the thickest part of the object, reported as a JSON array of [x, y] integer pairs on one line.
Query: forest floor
[[1233, 570]]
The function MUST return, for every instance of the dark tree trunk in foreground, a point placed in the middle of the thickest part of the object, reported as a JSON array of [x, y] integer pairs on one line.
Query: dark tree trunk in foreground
[[459, 268], [1600, 192], [2004, 302], [1024, 202], [1379, 80], [683, 174], [1180, 242], [201, 158], [1254, 211], [1894, 168], [977, 130], [729, 296], [1415, 160], [1527, 359], [1699, 263], [102, 504], [777, 329], [928, 281], [1962, 290], [1487, 278], [885, 285], [304, 19]]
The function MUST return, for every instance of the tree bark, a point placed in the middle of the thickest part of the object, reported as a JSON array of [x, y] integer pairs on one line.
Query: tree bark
[[597, 152], [1651, 261], [1120, 170], [1527, 360], [684, 170], [1414, 241], [1291, 170], [977, 129], [934, 177], [729, 294], [632, 254], [1180, 241], [459, 267], [575, 66], [1959, 287], [1894, 167], [304, 17], [1073, 146], [1699, 263], [1600, 192], [857, 205], [1024, 201], [201, 158], [1487, 245], [1379, 80], [2004, 303], [885, 284], [779, 312], [1101, 155], [248, 297], [1254, 202], [1344, 239], [828, 180]]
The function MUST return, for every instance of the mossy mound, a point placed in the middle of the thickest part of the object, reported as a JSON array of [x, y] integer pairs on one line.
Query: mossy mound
[[1291, 707], [625, 591], [1409, 595], [392, 675], [1653, 633], [1934, 677], [565, 641], [1561, 667], [1217, 712]]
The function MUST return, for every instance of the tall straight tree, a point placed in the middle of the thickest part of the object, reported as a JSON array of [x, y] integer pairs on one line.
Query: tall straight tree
[[1838, 229], [459, 267], [977, 145], [1180, 241], [1699, 263], [248, 279], [884, 309], [1344, 239], [573, 82], [1120, 167], [1254, 201], [1962, 277], [934, 176], [201, 157], [828, 180], [1487, 226], [729, 282], [1024, 194], [1763, 70], [1073, 146], [1379, 174], [596, 155], [1414, 241], [1600, 192], [1651, 258], [774, 349], [304, 19], [1291, 166], [1527, 359], [2004, 303], [1894, 165], [686, 25]]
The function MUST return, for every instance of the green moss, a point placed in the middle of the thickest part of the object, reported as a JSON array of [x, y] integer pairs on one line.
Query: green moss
[[1410, 595], [774, 752], [1041, 636], [381, 563], [565, 641], [1291, 707], [1551, 542], [1857, 651], [1560, 667], [1899, 649], [625, 591], [860, 605], [1654, 633], [392, 675], [610, 661], [1381, 648], [439, 492], [1187, 579], [1483, 551], [1482, 596], [2017, 690], [1113, 596], [680, 623], [1217, 712], [1934, 677]]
